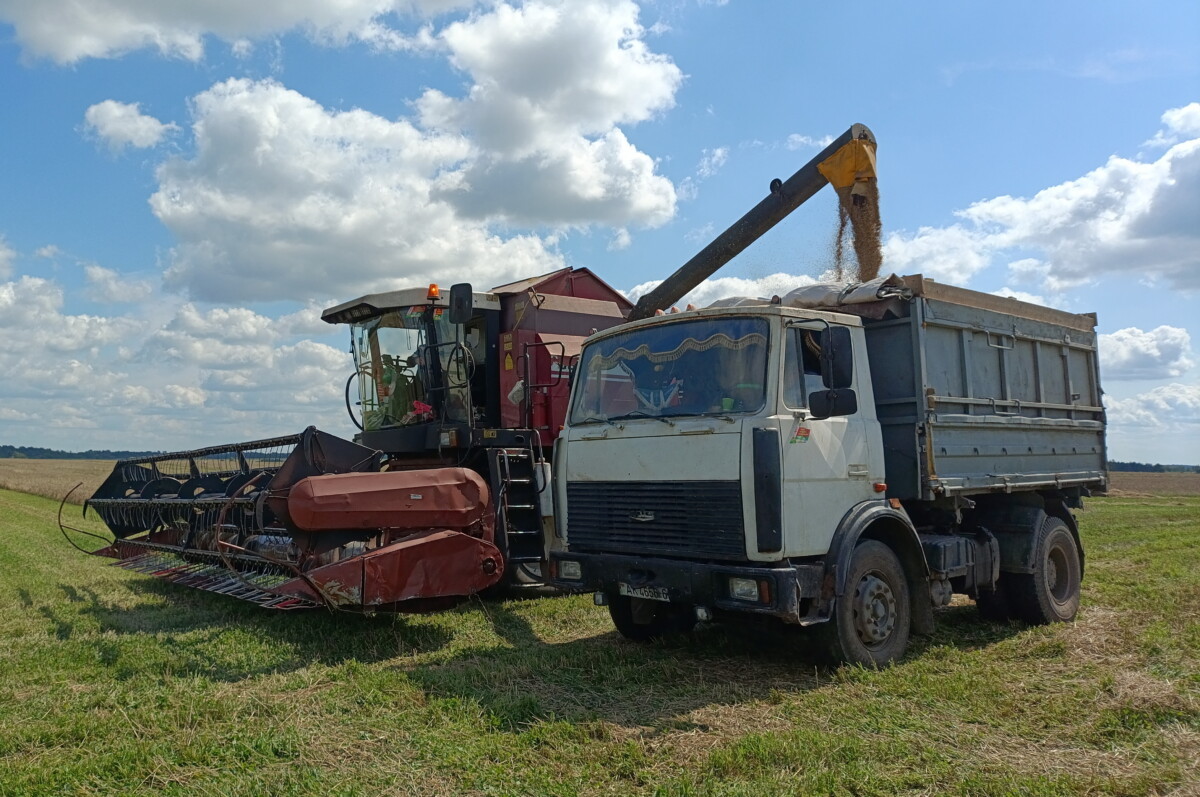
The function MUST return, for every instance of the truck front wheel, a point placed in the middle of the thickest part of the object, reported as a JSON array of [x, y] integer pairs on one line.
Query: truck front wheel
[[1050, 594], [644, 620], [870, 622]]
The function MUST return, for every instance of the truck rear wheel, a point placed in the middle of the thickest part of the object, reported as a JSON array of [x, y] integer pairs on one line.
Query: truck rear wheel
[[644, 620], [871, 621], [1050, 594]]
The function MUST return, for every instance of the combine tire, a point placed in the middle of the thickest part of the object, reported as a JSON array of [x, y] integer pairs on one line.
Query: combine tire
[[647, 620], [871, 621], [1050, 594]]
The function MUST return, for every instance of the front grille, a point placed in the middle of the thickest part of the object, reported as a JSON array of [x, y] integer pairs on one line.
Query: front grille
[[688, 518]]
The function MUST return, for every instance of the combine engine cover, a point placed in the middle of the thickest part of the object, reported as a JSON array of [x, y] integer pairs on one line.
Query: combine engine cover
[[303, 521]]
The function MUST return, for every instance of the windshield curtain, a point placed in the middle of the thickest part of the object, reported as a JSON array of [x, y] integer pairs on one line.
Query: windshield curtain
[[705, 366], [395, 386]]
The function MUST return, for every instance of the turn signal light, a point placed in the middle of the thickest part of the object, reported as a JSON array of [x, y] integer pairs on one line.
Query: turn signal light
[[434, 293], [879, 487]]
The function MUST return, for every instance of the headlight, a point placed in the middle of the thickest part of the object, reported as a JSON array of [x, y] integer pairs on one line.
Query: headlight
[[569, 570], [743, 589]]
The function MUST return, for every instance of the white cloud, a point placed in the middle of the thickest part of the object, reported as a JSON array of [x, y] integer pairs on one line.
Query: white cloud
[[952, 254], [1180, 122], [550, 84], [241, 48], [796, 141], [49, 251], [711, 161], [1160, 353], [7, 255], [202, 375], [106, 285], [1174, 406], [1020, 296], [122, 124], [287, 200], [710, 290], [620, 240], [67, 31], [1124, 218]]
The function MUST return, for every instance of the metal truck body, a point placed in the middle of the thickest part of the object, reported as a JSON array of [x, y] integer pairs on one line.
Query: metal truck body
[[842, 464]]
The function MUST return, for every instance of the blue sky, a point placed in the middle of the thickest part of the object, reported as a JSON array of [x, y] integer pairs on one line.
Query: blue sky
[[184, 187]]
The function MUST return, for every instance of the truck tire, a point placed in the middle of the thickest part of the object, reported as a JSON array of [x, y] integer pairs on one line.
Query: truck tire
[[1050, 594], [649, 620], [871, 622]]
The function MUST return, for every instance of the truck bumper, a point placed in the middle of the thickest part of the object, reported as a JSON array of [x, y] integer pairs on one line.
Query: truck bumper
[[782, 589]]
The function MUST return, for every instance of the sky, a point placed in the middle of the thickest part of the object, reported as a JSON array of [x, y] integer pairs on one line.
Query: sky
[[184, 186]]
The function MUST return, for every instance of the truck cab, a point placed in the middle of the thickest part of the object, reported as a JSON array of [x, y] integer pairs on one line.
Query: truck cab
[[710, 458]]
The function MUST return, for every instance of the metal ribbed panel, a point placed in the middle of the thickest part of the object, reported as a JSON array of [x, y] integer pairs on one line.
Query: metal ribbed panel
[[688, 518]]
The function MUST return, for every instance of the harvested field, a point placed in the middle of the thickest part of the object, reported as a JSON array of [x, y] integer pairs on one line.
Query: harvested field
[[54, 478], [115, 683], [1127, 483]]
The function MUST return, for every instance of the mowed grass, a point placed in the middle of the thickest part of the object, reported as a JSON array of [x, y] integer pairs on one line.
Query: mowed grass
[[115, 683]]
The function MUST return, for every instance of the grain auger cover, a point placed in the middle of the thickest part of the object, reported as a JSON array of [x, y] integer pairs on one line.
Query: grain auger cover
[[302, 521]]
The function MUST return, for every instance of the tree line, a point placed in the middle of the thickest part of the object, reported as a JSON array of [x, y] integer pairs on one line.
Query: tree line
[[1146, 467], [33, 452]]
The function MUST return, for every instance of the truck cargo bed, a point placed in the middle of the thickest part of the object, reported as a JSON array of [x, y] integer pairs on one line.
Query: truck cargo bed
[[979, 393]]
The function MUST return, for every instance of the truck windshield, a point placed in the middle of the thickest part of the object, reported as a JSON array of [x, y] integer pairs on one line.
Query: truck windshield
[[699, 367], [393, 354]]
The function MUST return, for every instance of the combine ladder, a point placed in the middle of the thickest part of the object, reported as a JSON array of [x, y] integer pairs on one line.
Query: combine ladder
[[519, 534]]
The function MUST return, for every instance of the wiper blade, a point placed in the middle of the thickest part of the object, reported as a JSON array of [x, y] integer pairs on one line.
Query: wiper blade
[[594, 419], [644, 414]]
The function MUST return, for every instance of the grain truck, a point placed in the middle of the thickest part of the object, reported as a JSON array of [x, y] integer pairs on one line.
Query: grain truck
[[843, 457]]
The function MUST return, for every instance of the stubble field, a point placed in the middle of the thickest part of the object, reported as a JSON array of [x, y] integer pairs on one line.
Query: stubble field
[[115, 683]]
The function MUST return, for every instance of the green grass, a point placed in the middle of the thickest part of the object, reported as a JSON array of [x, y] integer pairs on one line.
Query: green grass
[[114, 683]]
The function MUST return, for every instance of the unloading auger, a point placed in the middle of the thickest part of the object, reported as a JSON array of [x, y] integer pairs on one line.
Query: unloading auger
[[303, 521]]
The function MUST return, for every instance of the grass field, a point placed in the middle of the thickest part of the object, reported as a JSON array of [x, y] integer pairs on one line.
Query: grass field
[[115, 683]]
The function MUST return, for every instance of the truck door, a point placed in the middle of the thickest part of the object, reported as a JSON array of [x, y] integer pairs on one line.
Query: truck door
[[828, 465]]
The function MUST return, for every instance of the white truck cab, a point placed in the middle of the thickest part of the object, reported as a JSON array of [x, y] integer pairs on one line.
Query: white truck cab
[[693, 410]]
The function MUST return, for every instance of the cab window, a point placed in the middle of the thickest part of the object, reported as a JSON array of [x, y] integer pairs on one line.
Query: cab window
[[801, 366]]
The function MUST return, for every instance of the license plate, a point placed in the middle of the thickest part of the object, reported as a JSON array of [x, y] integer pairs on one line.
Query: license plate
[[649, 593]]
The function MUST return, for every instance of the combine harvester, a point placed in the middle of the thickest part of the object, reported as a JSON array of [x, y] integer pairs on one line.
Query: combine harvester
[[445, 490]]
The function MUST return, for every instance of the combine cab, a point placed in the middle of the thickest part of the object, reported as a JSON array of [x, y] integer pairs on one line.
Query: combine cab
[[443, 492]]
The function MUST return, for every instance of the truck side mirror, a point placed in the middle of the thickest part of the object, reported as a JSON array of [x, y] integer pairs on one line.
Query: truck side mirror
[[837, 358], [462, 303], [830, 403]]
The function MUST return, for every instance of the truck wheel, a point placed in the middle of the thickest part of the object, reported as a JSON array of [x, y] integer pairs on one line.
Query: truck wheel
[[647, 620], [871, 621], [1050, 594]]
